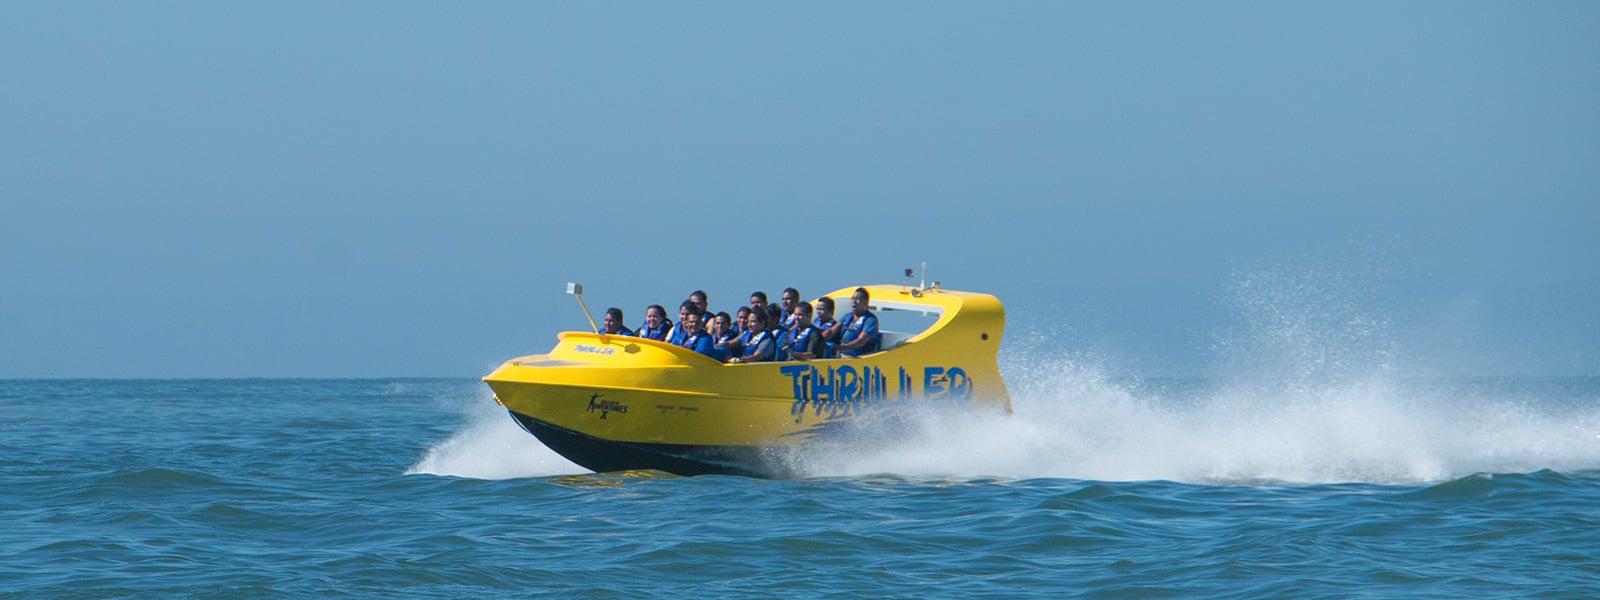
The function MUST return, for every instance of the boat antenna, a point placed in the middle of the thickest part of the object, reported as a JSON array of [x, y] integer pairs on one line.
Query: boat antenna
[[576, 289], [923, 287]]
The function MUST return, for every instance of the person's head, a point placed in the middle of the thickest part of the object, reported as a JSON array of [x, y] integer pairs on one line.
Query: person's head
[[655, 315], [790, 297], [758, 300], [744, 313], [802, 315], [698, 297], [755, 321], [613, 320], [684, 309], [774, 317], [858, 301], [824, 308], [692, 323], [724, 323]]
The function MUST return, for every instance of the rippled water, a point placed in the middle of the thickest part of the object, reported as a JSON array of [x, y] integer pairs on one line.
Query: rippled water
[[1176, 488]]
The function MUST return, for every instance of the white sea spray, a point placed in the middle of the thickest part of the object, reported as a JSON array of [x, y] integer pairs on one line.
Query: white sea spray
[[490, 446]]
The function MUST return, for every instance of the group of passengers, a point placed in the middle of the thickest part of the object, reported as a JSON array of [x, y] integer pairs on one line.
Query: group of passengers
[[760, 331]]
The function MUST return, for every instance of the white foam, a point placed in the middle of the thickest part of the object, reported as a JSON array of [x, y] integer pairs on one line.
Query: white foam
[[491, 446], [1070, 422], [1317, 395]]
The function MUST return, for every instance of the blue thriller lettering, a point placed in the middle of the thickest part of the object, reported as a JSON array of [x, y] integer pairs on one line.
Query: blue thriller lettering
[[849, 382], [824, 390], [849, 393], [846, 390], [932, 382], [798, 373], [803, 378], [959, 384]]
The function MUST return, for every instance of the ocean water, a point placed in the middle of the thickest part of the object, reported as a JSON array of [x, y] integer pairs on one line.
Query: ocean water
[[1095, 487]]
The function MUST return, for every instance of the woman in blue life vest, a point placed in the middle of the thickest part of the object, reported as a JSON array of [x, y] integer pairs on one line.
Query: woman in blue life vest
[[739, 318], [612, 323], [860, 328], [726, 338], [828, 327], [655, 323], [696, 338], [756, 341], [675, 337], [803, 342]]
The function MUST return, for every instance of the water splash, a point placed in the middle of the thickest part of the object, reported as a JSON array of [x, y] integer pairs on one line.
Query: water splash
[[1070, 422], [491, 446], [1313, 326], [1309, 392]]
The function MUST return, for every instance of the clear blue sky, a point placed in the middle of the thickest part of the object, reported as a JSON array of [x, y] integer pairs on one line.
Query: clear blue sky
[[402, 188]]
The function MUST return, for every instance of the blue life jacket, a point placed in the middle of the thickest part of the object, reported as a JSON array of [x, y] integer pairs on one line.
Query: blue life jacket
[[753, 344], [829, 347], [855, 327], [657, 334], [678, 333], [700, 342], [799, 340], [723, 353]]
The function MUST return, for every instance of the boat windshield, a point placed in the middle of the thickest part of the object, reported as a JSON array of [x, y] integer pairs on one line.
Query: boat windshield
[[900, 322]]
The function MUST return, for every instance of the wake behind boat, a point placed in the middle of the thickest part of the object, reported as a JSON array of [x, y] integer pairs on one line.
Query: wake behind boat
[[613, 402]]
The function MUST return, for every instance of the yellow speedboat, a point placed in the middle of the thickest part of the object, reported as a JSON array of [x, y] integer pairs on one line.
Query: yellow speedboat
[[612, 403]]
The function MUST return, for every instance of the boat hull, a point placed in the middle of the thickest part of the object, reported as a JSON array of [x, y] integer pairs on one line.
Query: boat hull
[[601, 455]]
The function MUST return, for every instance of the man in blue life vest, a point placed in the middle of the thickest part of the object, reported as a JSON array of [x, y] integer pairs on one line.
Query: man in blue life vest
[[758, 301], [697, 339], [702, 305], [787, 301], [612, 324], [756, 341], [775, 320], [803, 341], [860, 335], [725, 336], [655, 323], [828, 327], [680, 331]]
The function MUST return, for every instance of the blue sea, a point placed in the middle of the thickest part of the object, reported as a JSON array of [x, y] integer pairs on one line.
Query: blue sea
[[1096, 487]]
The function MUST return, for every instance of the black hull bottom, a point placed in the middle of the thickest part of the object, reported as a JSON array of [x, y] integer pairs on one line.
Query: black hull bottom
[[604, 456]]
